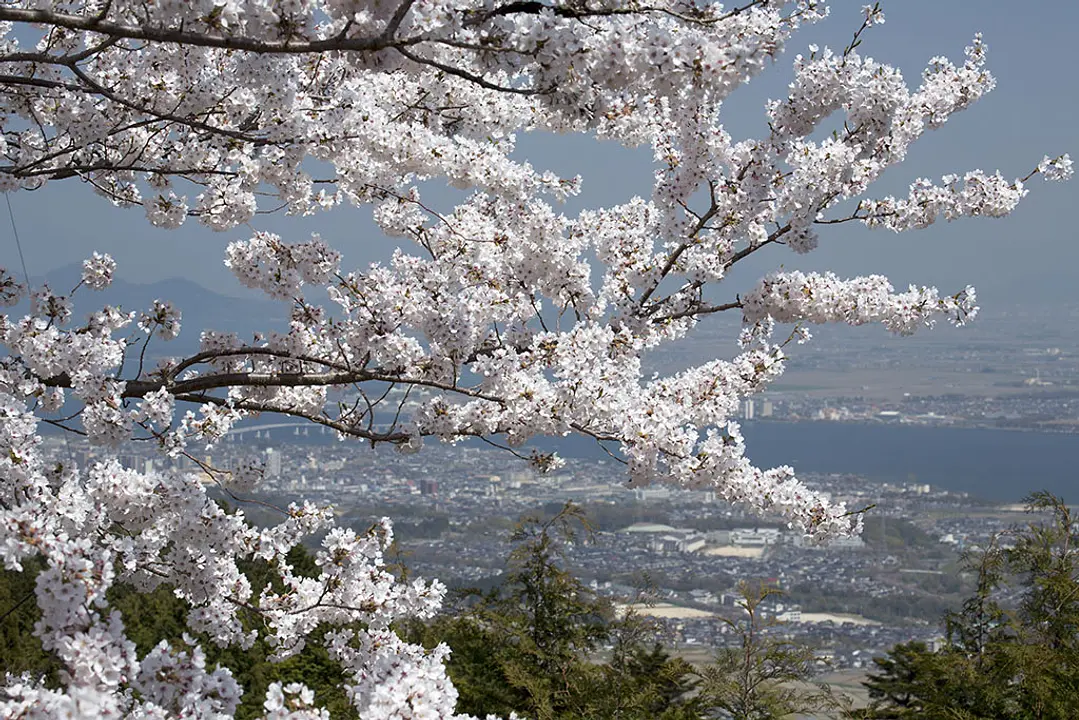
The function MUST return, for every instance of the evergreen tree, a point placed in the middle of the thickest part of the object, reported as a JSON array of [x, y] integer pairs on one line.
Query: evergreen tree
[[764, 677], [1019, 660], [20, 650], [534, 645]]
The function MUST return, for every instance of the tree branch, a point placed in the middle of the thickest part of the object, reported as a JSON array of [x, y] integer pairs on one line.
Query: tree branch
[[179, 36], [465, 75]]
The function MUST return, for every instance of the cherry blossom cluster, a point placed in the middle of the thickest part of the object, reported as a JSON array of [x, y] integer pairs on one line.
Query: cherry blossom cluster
[[173, 533], [501, 317], [232, 97], [796, 297], [280, 269]]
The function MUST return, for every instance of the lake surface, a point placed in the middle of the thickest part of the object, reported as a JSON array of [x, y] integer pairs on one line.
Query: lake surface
[[1002, 465], [992, 464]]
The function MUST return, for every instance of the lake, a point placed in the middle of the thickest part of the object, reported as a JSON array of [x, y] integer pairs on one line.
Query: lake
[[993, 464], [1002, 465]]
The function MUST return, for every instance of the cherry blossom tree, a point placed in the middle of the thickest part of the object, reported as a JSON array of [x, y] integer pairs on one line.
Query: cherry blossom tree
[[507, 317]]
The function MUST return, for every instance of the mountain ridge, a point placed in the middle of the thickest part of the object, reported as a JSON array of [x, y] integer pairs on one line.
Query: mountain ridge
[[201, 308]]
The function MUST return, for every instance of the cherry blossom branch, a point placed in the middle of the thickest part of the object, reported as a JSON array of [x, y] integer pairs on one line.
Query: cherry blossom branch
[[177, 36], [703, 309], [470, 77], [533, 7]]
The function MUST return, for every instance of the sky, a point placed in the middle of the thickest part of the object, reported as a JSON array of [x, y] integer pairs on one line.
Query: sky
[[1029, 258]]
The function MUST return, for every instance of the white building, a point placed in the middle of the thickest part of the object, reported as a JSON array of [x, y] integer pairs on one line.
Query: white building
[[273, 463], [758, 537], [652, 493], [693, 544], [748, 409], [842, 543]]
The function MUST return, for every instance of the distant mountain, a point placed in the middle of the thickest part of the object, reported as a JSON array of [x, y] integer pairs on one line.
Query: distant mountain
[[202, 308]]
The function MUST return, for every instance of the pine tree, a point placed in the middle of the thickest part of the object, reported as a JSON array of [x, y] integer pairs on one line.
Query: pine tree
[[1018, 660], [764, 676]]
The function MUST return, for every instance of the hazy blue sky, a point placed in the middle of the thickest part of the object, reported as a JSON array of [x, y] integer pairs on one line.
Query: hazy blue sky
[[1031, 256]]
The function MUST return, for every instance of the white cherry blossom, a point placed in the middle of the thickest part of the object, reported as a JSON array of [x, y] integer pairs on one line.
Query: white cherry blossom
[[97, 271]]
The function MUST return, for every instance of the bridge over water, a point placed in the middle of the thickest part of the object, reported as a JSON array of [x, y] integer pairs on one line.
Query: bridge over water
[[263, 430]]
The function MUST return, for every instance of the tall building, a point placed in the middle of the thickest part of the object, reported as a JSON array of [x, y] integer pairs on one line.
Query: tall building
[[273, 463], [748, 409]]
